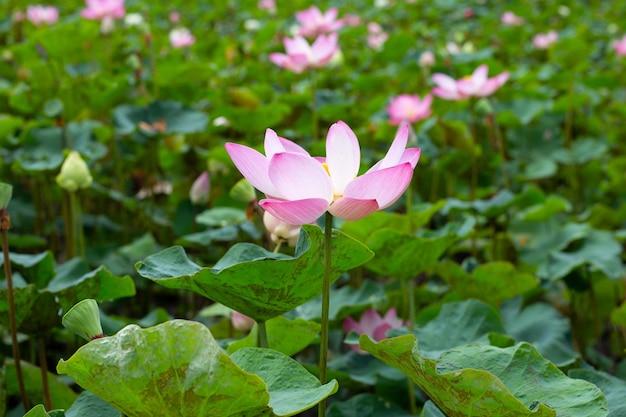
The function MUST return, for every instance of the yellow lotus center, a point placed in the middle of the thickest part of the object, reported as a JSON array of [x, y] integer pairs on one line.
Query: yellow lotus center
[[325, 166], [467, 77]]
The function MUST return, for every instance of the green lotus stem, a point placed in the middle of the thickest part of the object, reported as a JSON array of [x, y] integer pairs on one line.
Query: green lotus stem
[[5, 224], [409, 288], [314, 116], [78, 237], [43, 366], [328, 234], [68, 217], [262, 334], [501, 149]]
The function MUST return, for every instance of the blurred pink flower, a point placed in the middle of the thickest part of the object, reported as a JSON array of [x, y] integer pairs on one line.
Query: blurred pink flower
[[373, 325], [280, 231], [313, 22], [181, 38], [174, 17], [39, 15], [200, 189], [620, 46], [511, 19], [351, 20], [407, 108], [301, 56], [101, 9], [269, 5], [18, 16], [475, 85], [300, 188], [545, 40], [241, 322], [427, 59], [376, 37]]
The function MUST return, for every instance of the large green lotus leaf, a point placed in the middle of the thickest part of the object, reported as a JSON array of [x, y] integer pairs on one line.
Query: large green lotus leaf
[[24, 299], [543, 326], [544, 211], [365, 369], [404, 256], [613, 388], [37, 411], [37, 269], [493, 282], [431, 410], [173, 369], [493, 207], [254, 281], [599, 249], [363, 229], [482, 380], [461, 323], [61, 395], [529, 377], [291, 387], [344, 301], [89, 405], [283, 335], [72, 284], [366, 405]]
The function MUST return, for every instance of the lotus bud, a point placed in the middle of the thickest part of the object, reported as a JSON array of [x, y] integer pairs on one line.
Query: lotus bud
[[84, 320], [74, 173], [243, 191], [6, 191], [200, 189], [427, 59], [484, 107], [241, 322], [280, 231]]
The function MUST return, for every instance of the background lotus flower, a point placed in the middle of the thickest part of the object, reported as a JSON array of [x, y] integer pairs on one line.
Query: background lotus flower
[[313, 22], [200, 189], [269, 5], [376, 36], [545, 40], [74, 173], [407, 108], [181, 38], [280, 231], [620, 46], [475, 85], [300, 188], [39, 15], [301, 56], [427, 59], [241, 322], [511, 19], [373, 325], [102, 9]]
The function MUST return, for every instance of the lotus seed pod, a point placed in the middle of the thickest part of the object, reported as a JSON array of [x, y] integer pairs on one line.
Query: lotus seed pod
[[84, 320]]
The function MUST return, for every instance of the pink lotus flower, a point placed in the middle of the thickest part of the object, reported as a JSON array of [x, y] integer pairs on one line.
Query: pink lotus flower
[[269, 5], [39, 15], [174, 17], [620, 46], [376, 37], [181, 38], [241, 322], [103, 9], [200, 189], [280, 231], [475, 85], [545, 40], [511, 19], [373, 325], [313, 22], [301, 56], [300, 188], [407, 108], [351, 20]]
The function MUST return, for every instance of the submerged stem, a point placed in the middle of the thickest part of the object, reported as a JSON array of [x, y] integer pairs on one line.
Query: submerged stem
[[43, 365], [5, 224], [328, 233]]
